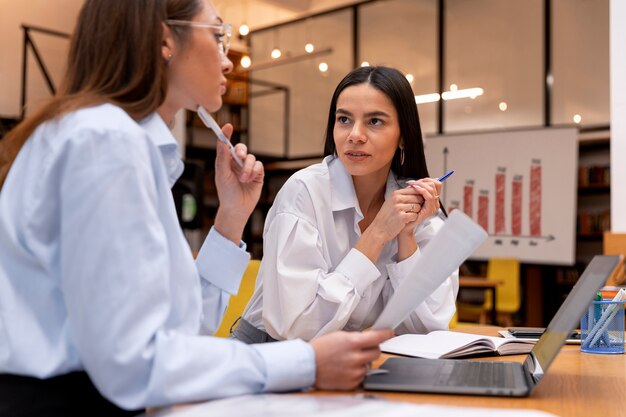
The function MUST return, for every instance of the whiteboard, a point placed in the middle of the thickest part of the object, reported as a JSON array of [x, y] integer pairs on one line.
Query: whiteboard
[[520, 186]]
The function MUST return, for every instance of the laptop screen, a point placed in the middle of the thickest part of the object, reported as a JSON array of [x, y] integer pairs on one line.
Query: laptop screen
[[570, 312]]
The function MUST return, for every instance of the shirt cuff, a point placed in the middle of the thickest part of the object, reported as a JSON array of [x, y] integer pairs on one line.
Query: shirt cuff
[[397, 271], [290, 365], [221, 262], [356, 264]]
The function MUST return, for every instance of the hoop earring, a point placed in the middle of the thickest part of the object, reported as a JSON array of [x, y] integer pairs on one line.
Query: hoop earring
[[401, 156]]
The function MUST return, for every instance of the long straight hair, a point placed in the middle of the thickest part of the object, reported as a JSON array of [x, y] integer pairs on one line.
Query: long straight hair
[[395, 86], [115, 57]]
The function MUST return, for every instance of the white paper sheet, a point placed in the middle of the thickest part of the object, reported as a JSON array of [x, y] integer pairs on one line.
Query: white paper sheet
[[275, 405], [456, 241]]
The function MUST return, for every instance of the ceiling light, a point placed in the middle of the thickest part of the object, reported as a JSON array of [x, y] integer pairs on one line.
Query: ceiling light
[[309, 47], [450, 95], [244, 29], [323, 67], [276, 53], [365, 64], [465, 93], [577, 118], [427, 98], [409, 78], [245, 61], [503, 106]]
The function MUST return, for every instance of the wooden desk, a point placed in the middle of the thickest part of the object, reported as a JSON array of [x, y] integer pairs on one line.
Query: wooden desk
[[577, 384], [485, 284]]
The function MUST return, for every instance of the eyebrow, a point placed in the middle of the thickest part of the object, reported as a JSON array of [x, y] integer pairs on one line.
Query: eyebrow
[[376, 113]]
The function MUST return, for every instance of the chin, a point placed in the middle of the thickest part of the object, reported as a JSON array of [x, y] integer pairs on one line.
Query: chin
[[213, 106]]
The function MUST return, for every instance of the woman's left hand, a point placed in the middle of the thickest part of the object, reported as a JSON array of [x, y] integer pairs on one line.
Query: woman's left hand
[[238, 188]]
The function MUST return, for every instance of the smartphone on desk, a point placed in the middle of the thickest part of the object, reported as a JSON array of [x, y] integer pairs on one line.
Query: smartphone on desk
[[536, 332]]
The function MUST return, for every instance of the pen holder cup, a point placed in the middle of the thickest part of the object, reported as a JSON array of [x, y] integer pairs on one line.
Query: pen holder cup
[[602, 327]]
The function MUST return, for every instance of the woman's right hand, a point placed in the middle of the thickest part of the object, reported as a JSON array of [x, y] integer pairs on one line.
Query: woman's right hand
[[342, 359], [238, 189]]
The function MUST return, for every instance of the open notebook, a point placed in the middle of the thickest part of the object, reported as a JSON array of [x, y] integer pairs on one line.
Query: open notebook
[[445, 344]]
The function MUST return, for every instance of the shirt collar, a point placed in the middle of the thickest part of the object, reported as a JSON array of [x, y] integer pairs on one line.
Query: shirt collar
[[343, 195], [162, 138], [158, 131]]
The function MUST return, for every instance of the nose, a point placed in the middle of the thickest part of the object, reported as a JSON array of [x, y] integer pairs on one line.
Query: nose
[[227, 64], [357, 134]]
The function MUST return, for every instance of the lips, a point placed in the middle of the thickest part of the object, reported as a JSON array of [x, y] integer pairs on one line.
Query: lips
[[356, 156]]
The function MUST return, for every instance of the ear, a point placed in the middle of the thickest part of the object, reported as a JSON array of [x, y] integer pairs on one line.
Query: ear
[[168, 46]]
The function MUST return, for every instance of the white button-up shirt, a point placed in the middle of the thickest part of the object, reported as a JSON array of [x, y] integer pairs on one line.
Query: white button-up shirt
[[96, 275], [312, 281]]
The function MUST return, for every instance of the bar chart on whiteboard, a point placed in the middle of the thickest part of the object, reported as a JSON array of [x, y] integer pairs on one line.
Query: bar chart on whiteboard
[[520, 186]]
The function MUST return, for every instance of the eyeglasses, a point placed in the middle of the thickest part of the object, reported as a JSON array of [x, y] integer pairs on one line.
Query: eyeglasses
[[222, 36]]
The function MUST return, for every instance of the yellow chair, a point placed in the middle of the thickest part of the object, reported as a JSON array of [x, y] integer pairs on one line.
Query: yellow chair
[[238, 302], [454, 321], [508, 298]]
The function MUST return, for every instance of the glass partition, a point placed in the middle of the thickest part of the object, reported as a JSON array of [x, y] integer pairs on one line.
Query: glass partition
[[403, 34], [495, 45], [310, 80], [581, 62]]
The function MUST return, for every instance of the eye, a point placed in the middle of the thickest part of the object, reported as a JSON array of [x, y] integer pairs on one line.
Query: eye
[[343, 120], [218, 37], [376, 121]]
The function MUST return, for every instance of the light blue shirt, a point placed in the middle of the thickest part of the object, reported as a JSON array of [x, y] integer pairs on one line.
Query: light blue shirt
[[96, 275]]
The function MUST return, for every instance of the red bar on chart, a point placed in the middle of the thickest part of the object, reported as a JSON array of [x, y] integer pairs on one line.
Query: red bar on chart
[[535, 198], [516, 206], [500, 227], [483, 209], [468, 196]]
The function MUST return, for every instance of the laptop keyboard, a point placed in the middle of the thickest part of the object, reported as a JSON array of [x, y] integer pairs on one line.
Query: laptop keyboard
[[476, 374]]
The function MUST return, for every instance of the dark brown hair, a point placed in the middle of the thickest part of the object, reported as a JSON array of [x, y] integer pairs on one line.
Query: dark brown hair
[[115, 56]]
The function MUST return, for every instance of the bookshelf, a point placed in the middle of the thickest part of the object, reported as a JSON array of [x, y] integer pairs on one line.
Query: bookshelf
[[594, 193], [593, 218]]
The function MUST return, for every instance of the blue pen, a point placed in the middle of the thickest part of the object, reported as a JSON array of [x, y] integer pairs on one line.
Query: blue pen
[[445, 176]]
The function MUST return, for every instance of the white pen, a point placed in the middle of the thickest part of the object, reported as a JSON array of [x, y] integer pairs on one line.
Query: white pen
[[209, 122]]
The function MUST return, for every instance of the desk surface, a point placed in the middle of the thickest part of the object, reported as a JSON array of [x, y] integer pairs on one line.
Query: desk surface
[[577, 384]]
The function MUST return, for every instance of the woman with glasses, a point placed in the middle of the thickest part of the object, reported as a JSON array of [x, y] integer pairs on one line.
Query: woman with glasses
[[102, 306], [343, 234]]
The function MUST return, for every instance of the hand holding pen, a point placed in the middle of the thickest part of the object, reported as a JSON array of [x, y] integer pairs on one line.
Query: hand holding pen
[[416, 185], [238, 186], [209, 122]]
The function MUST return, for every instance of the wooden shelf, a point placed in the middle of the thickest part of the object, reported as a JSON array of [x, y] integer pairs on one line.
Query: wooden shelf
[[594, 189], [589, 237]]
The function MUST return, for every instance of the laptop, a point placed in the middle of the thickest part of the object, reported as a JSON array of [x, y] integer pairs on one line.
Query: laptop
[[494, 378]]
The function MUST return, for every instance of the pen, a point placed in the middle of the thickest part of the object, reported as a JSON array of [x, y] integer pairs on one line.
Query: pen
[[212, 124], [599, 327], [445, 176]]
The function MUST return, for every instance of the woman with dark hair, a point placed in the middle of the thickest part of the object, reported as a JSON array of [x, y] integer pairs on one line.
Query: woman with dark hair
[[102, 307], [343, 234]]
